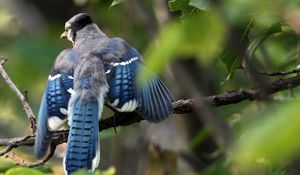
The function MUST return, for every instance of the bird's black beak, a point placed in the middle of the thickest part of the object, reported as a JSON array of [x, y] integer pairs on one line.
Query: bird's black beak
[[64, 35]]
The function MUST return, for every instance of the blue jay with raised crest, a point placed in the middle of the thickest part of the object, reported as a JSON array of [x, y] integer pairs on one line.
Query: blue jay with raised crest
[[96, 70]]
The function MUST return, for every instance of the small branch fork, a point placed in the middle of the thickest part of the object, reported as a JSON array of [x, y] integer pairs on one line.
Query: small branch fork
[[123, 119], [21, 97]]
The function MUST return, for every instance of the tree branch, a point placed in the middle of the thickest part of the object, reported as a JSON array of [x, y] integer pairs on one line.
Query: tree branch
[[22, 162], [233, 97], [180, 107], [123, 119], [279, 73], [21, 97]]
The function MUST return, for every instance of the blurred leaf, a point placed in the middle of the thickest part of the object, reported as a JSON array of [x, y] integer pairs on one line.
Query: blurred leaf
[[115, 2], [161, 161], [264, 13], [201, 135], [233, 60], [109, 171], [271, 140], [200, 4], [23, 171], [108, 133], [200, 37], [8, 26], [261, 36], [5, 164], [220, 167], [178, 5]]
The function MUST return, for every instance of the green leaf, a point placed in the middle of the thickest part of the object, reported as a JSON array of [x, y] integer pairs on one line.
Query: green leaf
[[199, 37], [178, 5], [5, 163], [230, 58], [115, 2], [200, 4], [272, 140], [109, 171], [183, 6], [261, 36], [232, 62], [23, 171]]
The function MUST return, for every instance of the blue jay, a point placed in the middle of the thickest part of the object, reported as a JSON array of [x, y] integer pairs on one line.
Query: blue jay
[[96, 70]]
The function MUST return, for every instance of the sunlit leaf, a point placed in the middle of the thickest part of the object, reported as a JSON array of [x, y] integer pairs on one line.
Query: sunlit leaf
[[201, 37], [200, 4], [116, 2], [23, 171], [7, 26], [5, 164], [109, 171], [270, 141]]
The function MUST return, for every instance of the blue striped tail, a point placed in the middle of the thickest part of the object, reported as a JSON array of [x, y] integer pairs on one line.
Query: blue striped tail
[[83, 143]]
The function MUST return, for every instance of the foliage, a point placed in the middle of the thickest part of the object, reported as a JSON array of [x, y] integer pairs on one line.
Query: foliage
[[109, 171], [187, 39], [23, 170], [217, 34], [259, 26], [257, 144]]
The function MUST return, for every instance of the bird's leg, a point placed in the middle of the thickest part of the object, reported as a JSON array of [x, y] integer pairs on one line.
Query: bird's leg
[[110, 107], [116, 114]]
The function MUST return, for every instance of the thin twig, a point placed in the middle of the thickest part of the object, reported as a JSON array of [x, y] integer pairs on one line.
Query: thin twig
[[22, 162], [21, 97], [13, 144], [279, 73]]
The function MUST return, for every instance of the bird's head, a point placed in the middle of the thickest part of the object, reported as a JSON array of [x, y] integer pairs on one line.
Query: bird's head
[[75, 24]]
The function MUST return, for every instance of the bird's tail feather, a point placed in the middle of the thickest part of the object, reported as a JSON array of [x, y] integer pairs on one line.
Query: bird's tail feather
[[43, 134], [83, 148]]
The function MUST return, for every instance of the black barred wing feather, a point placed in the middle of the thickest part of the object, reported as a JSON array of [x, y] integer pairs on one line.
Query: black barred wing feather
[[153, 100], [58, 93], [122, 92]]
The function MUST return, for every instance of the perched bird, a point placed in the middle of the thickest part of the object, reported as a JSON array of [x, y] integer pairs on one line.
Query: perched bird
[[96, 70]]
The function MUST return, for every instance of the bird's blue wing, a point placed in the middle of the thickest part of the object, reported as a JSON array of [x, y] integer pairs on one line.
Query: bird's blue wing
[[153, 100], [121, 80], [58, 94], [54, 107]]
